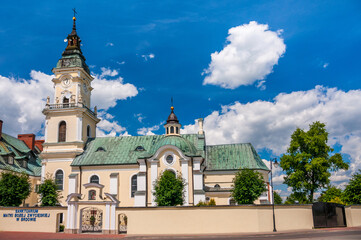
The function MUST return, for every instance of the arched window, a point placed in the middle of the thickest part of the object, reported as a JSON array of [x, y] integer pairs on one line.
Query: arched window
[[217, 186], [88, 131], [167, 130], [59, 179], [65, 102], [62, 132], [94, 179], [171, 129], [134, 185], [92, 195], [176, 130]]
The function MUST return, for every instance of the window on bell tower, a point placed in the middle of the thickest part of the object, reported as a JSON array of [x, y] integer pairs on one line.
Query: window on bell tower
[[65, 102], [62, 132], [88, 131]]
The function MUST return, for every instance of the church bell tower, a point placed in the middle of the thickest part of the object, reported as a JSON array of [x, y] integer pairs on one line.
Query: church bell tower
[[69, 120]]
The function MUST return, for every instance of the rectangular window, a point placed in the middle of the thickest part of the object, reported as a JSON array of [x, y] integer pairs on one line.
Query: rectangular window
[[36, 189]]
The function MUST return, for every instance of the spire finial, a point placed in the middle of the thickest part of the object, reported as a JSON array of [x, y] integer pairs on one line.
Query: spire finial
[[74, 19]]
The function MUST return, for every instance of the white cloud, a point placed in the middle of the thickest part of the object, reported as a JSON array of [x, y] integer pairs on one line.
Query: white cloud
[[108, 72], [121, 63], [109, 44], [249, 56], [106, 93], [22, 102], [149, 130], [139, 117], [269, 124], [325, 65], [148, 56]]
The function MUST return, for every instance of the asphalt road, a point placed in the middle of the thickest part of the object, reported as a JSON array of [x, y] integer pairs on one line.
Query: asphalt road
[[333, 234]]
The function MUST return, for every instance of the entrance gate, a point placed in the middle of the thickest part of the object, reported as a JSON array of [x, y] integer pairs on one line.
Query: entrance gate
[[92, 220], [327, 215]]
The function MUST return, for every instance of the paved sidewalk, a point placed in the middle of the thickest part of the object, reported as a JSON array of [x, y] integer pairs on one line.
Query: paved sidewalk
[[330, 233], [38, 235]]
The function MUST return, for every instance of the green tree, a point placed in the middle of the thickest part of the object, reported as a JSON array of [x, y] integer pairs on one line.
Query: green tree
[[14, 188], [296, 198], [169, 189], [307, 162], [248, 185], [277, 198], [331, 194], [352, 192], [48, 192]]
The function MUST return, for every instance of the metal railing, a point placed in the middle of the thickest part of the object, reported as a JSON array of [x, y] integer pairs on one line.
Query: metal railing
[[69, 105]]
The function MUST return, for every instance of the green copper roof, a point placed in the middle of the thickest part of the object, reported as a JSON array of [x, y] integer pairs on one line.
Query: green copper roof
[[122, 150], [128, 149], [184, 145], [10, 146], [233, 157]]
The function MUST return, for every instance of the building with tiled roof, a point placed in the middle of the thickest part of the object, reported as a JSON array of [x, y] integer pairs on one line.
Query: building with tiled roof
[[97, 174], [21, 155]]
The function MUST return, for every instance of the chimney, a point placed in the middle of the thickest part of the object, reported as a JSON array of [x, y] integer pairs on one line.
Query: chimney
[[28, 139], [200, 126], [1, 127], [39, 144]]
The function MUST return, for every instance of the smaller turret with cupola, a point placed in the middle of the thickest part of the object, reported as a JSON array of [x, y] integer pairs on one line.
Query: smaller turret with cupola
[[172, 127]]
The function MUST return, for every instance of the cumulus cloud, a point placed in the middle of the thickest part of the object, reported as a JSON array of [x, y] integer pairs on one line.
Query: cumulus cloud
[[107, 92], [109, 44], [22, 102], [269, 124], [149, 130], [148, 56], [106, 127], [108, 72], [249, 56]]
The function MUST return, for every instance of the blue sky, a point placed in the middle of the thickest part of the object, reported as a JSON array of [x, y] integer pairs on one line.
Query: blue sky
[[162, 48]]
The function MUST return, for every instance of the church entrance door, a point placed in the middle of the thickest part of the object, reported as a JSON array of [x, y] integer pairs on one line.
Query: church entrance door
[[92, 220]]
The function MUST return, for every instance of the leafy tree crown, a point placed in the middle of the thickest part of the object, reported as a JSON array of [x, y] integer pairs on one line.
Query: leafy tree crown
[[352, 192], [169, 189], [14, 188], [248, 185], [308, 163], [49, 193]]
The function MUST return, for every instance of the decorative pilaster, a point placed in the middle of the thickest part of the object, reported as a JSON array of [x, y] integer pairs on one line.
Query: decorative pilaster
[[184, 165], [199, 193], [153, 177], [140, 194]]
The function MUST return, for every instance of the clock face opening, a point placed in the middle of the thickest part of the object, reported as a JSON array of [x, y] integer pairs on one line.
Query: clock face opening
[[66, 81]]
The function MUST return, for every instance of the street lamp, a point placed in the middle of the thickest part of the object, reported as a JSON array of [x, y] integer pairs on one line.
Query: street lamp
[[273, 197]]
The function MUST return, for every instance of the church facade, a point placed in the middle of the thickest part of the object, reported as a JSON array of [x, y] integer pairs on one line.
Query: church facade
[[95, 175]]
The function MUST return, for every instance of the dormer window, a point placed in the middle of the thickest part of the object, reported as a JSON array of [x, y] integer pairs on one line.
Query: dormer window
[[10, 160], [139, 148], [24, 164], [100, 149]]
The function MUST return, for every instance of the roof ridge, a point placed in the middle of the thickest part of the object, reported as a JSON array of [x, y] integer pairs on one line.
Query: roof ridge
[[216, 145]]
